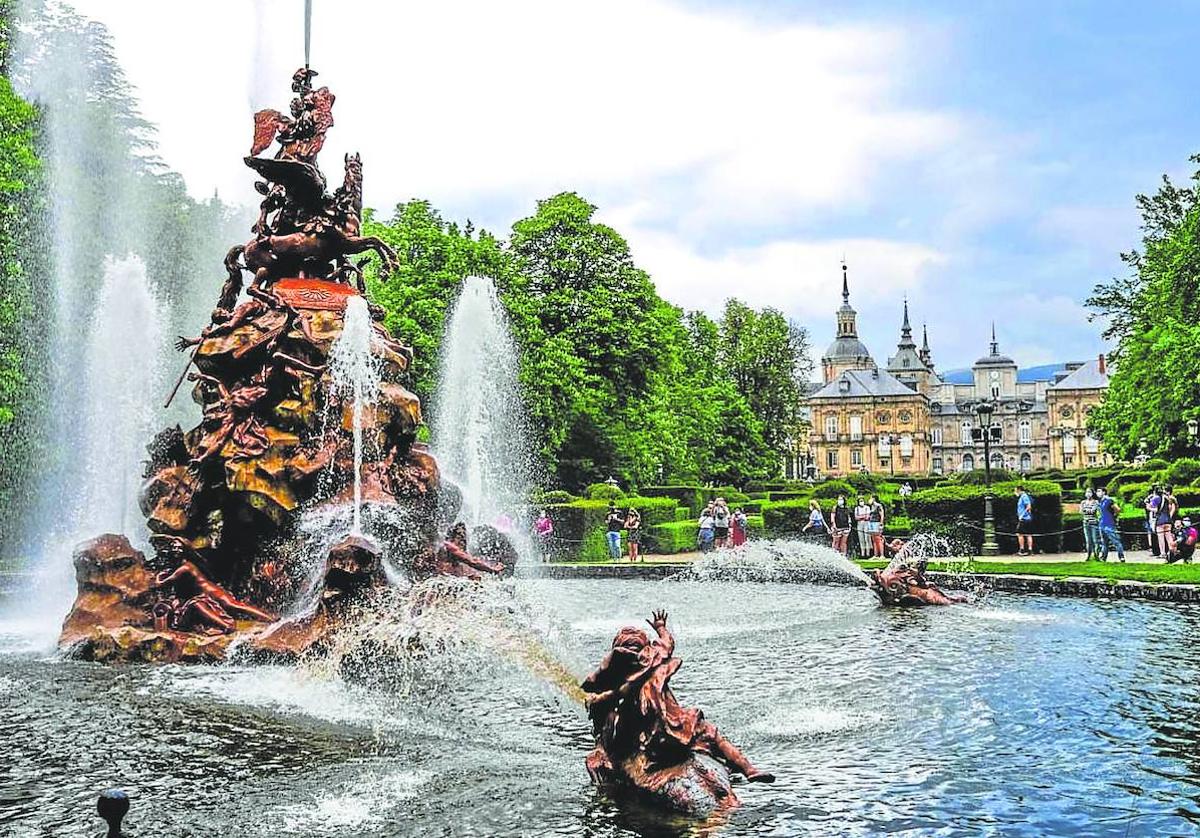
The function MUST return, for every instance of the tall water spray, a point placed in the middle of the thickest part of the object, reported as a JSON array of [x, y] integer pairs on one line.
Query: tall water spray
[[115, 412], [356, 378], [480, 433]]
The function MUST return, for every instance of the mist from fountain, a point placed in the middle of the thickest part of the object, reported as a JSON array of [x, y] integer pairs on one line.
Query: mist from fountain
[[775, 561], [356, 378], [481, 431], [115, 412]]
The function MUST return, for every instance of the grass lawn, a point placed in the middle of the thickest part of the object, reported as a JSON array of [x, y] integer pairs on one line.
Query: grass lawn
[[1137, 572]]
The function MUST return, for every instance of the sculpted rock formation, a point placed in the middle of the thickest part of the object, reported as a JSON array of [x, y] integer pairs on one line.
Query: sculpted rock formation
[[903, 582]]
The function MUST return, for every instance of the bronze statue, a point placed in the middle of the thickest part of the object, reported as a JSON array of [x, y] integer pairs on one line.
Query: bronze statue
[[903, 582], [645, 738]]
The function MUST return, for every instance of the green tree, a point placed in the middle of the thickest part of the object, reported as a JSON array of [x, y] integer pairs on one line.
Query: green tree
[[1154, 315]]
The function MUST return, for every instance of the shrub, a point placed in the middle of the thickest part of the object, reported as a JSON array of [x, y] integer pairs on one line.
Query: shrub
[[784, 518], [897, 527], [1156, 464], [863, 484], [674, 537], [552, 496], [789, 495], [1130, 475], [603, 491], [962, 508], [978, 477], [580, 525], [693, 497], [833, 488], [1182, 472]]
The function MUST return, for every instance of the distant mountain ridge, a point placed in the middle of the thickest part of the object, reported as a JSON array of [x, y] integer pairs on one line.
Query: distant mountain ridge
[[1044, 372]]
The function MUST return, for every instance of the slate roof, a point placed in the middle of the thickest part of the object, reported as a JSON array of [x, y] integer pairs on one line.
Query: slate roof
[[864, 383], [1087, 377]]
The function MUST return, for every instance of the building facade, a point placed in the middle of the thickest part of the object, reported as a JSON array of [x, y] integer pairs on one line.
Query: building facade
[[907, 419]]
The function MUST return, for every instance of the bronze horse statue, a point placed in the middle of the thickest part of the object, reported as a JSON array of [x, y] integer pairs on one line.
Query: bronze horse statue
[[329, 235]]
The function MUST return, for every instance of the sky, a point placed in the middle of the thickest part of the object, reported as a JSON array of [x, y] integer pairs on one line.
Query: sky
[[979, 159]]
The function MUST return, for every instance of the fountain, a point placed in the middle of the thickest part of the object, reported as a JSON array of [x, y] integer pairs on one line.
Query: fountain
[[480, 433], [356, 376], [303, 411]]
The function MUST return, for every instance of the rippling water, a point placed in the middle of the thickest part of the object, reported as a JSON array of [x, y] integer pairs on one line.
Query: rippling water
[[1017, 716]]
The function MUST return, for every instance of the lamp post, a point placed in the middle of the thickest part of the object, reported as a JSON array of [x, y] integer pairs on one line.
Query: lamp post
[[1193, 432], [892, 441], [984, 410]]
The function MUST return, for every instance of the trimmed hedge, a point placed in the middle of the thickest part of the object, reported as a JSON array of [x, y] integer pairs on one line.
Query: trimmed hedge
[[579, 526], [963, 506], [830, 489], [785, 518], [603, 491], [1182, 472], [681, 536], [693, 497]]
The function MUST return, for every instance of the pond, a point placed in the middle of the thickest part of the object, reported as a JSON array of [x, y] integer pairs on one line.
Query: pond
[[1011, 716]]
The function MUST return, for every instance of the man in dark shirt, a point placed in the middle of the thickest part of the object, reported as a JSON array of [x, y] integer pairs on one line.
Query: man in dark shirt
[[615, 523]]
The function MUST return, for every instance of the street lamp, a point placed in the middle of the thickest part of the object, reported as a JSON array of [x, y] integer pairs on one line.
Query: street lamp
[[984, 410], [892, 441]]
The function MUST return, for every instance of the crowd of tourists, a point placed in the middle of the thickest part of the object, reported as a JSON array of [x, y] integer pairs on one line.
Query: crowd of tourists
[[1170, 534], [719, 527], [856, 530]]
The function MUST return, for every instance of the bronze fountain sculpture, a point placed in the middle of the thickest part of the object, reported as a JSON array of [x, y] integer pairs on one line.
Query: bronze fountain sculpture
[[222, 500]]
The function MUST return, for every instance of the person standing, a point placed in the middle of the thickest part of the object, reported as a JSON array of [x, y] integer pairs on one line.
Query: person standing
[[1110, 517], [1024, 522], [1089, 509], [1164, 522], [841, 520], [543, 528], [1150, 506], [633, 534], [704, 537], [739, 529], [614, 523], [720, 522], [875, 526], [817, 524], [862, 528]]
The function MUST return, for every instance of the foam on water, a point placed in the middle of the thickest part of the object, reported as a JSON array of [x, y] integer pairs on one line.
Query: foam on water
[[809, 722], [369, 801], [775, 561]]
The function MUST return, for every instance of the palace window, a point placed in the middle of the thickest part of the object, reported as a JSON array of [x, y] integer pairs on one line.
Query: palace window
[[937, 465], [883, 417], [905, 416], [885, 445], [831, 427], [966, 435], [1068, 443], [935, 436], [1026, 462], [856, 459], [997, 460], [968, 463], [1025, 432], [831, 459], [1091, 444], [906, 445], [855, 428]]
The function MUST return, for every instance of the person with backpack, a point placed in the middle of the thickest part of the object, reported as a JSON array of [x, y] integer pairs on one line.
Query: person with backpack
[[1024, 522], [1110, 517]]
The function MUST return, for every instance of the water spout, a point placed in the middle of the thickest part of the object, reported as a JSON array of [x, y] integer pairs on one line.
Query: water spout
[[356, 376], [480, 432]]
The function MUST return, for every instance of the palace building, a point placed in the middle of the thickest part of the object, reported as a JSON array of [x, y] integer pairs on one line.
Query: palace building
[[906, 418]]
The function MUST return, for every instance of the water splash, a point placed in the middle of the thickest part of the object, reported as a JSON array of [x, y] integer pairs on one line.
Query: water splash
[[356, 376], [775, 561], [481, 432]]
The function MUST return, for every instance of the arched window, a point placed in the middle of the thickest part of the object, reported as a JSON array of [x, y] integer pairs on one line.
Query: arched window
[[1026, 462], [968, 463], [966, 434], [997, 460], [1025, 432]]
